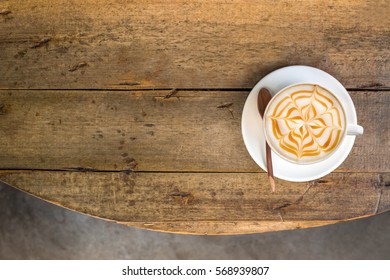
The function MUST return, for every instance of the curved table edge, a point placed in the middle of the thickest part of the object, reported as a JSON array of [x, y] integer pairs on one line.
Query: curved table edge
[[212, 227]]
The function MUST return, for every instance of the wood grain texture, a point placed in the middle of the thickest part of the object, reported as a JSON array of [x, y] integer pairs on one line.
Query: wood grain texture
[[62, 44], [175, 160], [142, 130], [209, 203]]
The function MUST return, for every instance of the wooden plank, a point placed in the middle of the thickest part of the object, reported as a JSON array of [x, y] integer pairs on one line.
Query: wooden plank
[[142, 130], [63, 44], [209, 203], [227, 228]]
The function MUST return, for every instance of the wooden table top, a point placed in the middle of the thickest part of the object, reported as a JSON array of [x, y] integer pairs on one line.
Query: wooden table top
[[110, 108]]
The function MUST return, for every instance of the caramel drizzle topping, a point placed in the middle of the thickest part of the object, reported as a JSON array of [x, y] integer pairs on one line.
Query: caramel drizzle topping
[[302, 118]]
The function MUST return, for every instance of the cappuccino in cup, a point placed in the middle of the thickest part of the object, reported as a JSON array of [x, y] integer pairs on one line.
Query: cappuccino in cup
[[304, 123]]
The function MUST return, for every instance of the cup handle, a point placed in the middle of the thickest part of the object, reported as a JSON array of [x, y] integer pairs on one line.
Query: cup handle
[[354, 129]]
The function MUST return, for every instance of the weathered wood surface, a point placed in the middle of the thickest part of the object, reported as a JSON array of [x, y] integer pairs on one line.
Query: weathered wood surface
[[189, 44], [142, 130], [124, 137], [209, 203], [119, 150]]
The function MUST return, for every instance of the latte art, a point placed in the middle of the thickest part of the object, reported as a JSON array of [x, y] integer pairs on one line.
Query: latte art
[[305, 123]]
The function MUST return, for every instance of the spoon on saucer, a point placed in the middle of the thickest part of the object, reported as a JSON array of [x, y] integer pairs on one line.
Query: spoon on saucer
[[263, 98]]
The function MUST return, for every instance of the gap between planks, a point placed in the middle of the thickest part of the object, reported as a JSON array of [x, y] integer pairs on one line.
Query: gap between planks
[[91, 170], [172, 88]]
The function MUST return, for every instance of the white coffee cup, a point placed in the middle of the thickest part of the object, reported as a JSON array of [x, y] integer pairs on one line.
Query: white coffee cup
[[285, 150]]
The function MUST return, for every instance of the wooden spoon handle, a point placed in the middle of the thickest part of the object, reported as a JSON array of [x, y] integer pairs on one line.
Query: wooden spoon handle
[[270, 170]]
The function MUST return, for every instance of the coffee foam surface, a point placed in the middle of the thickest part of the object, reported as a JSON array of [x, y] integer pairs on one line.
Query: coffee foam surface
[[305, 123]]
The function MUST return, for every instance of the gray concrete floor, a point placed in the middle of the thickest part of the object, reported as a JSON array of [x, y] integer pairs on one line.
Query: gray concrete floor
[[33, 229]]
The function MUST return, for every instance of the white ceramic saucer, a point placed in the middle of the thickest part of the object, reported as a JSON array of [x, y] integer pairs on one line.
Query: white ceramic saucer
[[252, 127]]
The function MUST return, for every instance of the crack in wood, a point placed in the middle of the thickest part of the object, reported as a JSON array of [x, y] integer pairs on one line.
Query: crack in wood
[[231, 112], [309, 186], [130, 162], [180, 149], [171, 93], [372, 85], [2, 109], [283, 206], [378, 202], [299, 199], [379, 186], [183, 197], [129, 83], [281, 215], [42, 42], [180, 194], [77, 66], [322, 181], [225, 105], [381, 182]]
